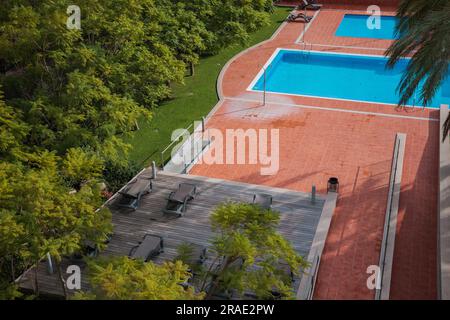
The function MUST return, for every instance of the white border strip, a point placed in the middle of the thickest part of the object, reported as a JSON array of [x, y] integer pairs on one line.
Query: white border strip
[[336, 109], [341, 53], [303, 33], [347, 47], [261, 72], [341, 99], [390, 13]]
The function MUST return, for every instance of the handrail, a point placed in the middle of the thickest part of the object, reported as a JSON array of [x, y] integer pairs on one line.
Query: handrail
[[192, 141], [197, 155], [176, 139], [173, 142]]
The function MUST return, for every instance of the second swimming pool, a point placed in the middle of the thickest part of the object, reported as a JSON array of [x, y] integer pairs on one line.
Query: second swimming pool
[[338, 76], [360, 26]]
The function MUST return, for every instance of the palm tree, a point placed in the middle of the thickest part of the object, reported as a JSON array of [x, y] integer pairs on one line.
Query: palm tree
[[424, 32]]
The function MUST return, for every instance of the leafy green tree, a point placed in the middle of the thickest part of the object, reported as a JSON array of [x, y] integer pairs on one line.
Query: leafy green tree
[[80, 167], [39, 215], [246, 234], [121, 278], [254, 256], [183, 31], [84, 88], [64, 84], [228, 21], [69, 97], [12, 131], [232, 21], [116, 175], [423, 31], [11, 232]]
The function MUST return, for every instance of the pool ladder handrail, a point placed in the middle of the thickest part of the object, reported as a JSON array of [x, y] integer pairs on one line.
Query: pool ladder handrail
[[305, 44]]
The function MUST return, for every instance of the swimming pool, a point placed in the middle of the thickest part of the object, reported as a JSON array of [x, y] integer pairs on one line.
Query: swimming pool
[[355, 25], [338, 76]]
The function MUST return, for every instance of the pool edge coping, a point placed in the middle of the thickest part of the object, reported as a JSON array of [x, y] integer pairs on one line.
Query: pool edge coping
[[277, 51]]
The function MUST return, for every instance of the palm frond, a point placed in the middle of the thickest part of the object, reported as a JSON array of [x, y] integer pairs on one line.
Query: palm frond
[[423, 33]]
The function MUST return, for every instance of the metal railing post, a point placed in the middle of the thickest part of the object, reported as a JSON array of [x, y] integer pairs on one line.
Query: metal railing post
[[154, 170], [264, 96]]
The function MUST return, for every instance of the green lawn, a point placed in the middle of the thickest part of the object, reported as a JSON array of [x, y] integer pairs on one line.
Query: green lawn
[[192, 100]]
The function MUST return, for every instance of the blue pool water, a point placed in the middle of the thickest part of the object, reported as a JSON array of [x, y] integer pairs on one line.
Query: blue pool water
[[340, 76], [355, 25]]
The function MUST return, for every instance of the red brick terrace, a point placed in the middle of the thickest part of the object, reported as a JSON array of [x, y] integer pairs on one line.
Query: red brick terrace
[[320, 138]]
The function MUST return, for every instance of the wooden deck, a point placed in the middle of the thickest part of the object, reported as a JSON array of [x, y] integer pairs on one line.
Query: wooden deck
[[299, 220]]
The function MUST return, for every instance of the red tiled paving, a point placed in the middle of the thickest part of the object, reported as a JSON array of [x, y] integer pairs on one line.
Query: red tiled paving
[[316, 143]]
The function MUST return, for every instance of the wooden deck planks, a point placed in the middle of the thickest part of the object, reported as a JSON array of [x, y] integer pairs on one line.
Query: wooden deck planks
[[298, 223]]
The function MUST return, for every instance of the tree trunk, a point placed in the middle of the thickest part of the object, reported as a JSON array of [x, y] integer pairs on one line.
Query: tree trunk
[[13, 272], [36, 281], [192, 69], [207, 273], [216, 281], [61, 279]]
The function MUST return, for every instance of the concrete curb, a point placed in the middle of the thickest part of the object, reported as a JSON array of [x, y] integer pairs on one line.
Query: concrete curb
[[219, 89], [306, 288], [443, 235], [390, 223]]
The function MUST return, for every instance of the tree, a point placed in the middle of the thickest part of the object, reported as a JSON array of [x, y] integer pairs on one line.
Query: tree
[[80, 167], [253, 254], [424, 32], [246, 234], [39, 215], [121, 278], [183, 31], [227, 21], [68, 98], [10, 233], [68, 86], [116, 174], [87, 88], [12, 131]]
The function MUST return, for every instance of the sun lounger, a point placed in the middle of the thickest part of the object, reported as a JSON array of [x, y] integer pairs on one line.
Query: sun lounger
[[309, 4], [294, 16], [88, 249], [150, 246], [263, 200], [177, 200], [133, 192]]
